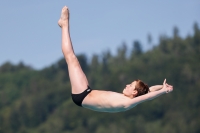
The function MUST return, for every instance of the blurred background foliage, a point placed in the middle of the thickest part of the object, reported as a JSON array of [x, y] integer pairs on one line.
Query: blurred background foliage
[[38, 101]]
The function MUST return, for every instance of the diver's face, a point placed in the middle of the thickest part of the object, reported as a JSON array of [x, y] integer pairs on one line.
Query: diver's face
[[129, 90]]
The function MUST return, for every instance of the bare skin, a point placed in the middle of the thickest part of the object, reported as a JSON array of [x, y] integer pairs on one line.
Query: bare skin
[[97, 100]]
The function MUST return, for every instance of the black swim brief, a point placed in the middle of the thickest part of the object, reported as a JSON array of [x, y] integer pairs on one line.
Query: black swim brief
[[78, 98]]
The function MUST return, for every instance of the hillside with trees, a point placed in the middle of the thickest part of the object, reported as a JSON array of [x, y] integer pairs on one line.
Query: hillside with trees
[[39, 101]]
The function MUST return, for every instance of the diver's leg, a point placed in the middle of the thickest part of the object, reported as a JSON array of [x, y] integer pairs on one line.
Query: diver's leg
[[77, 77]]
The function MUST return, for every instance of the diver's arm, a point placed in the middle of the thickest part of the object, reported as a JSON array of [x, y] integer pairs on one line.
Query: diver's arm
[[158, 87], [149, 96], [155, 88]]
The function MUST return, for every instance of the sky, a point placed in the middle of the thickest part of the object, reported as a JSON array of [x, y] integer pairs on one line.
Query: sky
[[29, 32]]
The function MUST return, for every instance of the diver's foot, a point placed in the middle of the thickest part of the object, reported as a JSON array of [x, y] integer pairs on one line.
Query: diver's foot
[[64, 18]]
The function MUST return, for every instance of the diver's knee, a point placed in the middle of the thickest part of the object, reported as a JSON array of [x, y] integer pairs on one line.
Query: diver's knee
[[71, 57]]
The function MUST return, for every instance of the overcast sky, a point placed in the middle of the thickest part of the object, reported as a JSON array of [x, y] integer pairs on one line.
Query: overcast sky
[[29, 30]]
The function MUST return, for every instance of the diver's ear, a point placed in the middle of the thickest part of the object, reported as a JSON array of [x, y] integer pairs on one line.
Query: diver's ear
[[135, 92]]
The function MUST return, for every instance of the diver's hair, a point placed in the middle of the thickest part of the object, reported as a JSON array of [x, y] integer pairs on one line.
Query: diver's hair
[[141, 88]]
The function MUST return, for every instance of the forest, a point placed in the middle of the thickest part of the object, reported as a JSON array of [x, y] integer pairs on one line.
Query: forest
[[39, 101]]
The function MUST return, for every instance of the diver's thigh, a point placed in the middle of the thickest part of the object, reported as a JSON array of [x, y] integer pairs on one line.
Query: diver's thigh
[[78, 78]]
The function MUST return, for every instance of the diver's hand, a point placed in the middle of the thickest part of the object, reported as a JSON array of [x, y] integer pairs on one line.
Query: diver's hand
[[166, 87]]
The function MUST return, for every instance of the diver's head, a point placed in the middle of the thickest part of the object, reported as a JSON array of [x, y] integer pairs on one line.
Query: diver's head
[[136, 88]]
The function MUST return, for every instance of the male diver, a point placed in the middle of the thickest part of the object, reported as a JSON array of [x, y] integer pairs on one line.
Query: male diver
[[99, 100]]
